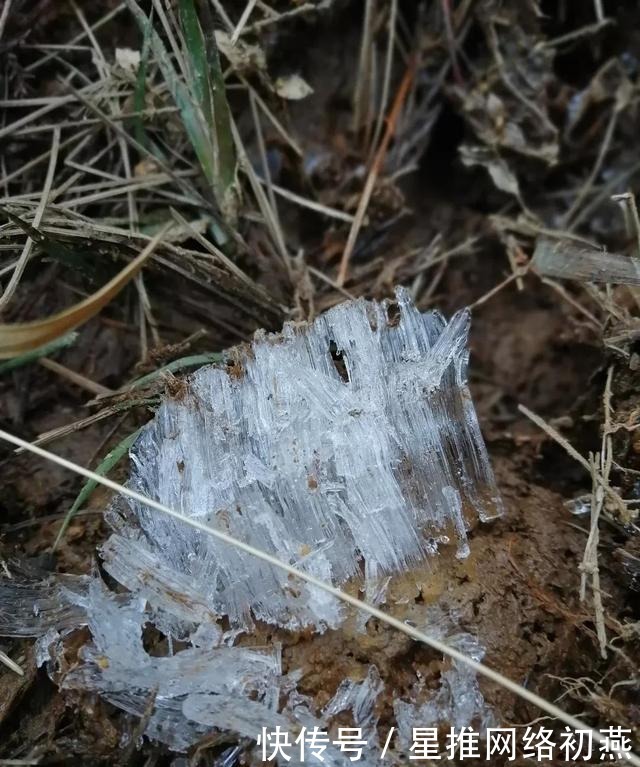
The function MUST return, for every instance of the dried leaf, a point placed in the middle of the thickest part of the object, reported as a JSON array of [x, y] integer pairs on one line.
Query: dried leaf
[[128, 59], [500, 173], [19, 338], [293, 87]]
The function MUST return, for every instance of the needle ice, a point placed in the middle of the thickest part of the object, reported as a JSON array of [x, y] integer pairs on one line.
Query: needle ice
[[348, 447], [335, 465]]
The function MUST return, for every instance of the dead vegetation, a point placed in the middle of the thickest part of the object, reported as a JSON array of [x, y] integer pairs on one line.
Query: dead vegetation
[[176, 175]]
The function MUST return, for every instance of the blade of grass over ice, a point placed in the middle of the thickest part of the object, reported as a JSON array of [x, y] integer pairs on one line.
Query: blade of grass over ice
[[21, 337], [441, 647], [104, 467], [192, 361]]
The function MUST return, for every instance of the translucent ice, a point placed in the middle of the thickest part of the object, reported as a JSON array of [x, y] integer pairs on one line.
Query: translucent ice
[[360, 698], [346, 443], [348, 448], [458, 702]]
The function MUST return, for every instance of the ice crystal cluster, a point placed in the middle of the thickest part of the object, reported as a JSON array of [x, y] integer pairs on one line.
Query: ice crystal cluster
[[348, 448], [370, 459]]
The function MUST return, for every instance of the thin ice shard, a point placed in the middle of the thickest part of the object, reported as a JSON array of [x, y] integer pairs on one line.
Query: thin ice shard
[[188, 692], [32, 603], [458, 702], [359, 698], [323, 462]]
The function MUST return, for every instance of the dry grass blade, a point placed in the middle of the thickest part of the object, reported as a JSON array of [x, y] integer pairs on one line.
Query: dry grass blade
[[4, 658], [270, 219], [243, 21], [4, 15], [376, 165], [75, 378], [26, 251], [555, 435], [386, 79], [440, 647], [19, 338]]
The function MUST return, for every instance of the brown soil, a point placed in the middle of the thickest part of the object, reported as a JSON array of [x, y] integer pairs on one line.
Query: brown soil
[[518, 590]]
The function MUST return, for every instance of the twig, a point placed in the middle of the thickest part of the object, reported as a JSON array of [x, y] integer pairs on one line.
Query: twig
[[500, 286], [248, 9], [560, 290], [94, 28], [589, 565], [76, 378], [628, 200], [262, 149], [573, 35], [513, 249], [4, 658], [323, 5], [4, 15], [325, 278], [272, 118], [451, 40], [270, 219], [586, 187], [107, 120], [597, 5], [305, 202], [570, 449], [75, 426], [222, 257], [605, 191], [386, 78], [376, 166], [410, 631]]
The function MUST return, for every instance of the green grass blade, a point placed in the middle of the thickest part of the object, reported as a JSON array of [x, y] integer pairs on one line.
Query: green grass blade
[[202, 102], [196, 58], [189, 111], [139, 93], [225, 149], [105, 466], [33, 356]]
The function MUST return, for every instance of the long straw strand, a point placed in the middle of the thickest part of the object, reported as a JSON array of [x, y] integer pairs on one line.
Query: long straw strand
[[414, 633]]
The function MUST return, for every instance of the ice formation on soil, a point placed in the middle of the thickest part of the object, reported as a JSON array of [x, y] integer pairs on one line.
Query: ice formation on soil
[[322, 467], [343, 446]]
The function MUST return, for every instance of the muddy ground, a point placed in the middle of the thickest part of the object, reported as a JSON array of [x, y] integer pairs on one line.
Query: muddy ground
[[531, 344]]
